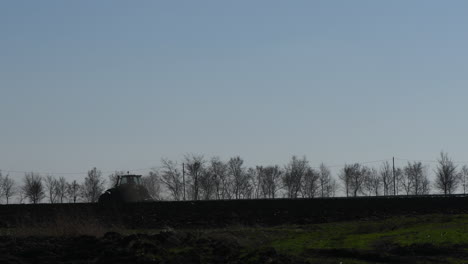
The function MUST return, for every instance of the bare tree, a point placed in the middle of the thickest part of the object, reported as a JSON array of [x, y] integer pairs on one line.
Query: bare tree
[[399, 176], [153, 184], [332, 188], [447, 177], [8, 187], [61, 189], [373, 182], [386, 176], [238, 177], [219, 172], [172, 179], [73, 190], [325, 181], [414, 180], [255, 175], [251, 190], [1, 180], [194, 165], [293, 176], [464, 178], [269, 180], [21, 195], [311, 183], [345, 177], [51, 188], [93, 186], [207, 182], [33, 188], [353, 177]]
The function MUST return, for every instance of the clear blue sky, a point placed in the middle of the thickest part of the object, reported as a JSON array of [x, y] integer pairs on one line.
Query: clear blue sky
[[120, 84]]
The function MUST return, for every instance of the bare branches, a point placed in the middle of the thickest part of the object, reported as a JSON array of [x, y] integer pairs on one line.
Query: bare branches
[[326, 182], [310, 185], [238, 177], [172, 179], [447, 177], [353, 177], [93, 186], [386, 176], [50, 184], [73, 190], [464, 178], [414, 180], [269, 180], [219, 173], [373, 182], [8, 188], [61, 189], [33, 188], [293, 176], [153, 184], [195, 169]]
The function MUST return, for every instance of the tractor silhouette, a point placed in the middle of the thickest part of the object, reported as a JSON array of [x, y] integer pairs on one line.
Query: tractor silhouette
[[127, 189]]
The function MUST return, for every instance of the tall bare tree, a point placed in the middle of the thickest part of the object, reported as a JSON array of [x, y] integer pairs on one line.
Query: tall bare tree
[[73, 191], [61, 191], [51, 188], [255, 175], [251, 190], [1, 180], [345, 177], [414, 180], [447, 177], [219, 172], [353, 177], [311, 183], [93, 186], [293, 176], [399, 176], [21, 195], [373, 182], [207, 183], [239, 179], [269, 180], [325, 181], [152, 183], [332, 187], [194, 165], [8, 188], [171, 177], [464, 178], [32, 188], [386, 176]]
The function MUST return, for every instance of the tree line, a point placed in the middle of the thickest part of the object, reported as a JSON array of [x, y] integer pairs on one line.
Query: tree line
[[197, 178], [36, 188]]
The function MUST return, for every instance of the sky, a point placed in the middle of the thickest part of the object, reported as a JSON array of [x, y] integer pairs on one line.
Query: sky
[[118, 85]]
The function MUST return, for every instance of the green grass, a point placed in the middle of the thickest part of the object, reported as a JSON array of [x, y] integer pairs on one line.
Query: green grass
[[367, 236], [434, 229]]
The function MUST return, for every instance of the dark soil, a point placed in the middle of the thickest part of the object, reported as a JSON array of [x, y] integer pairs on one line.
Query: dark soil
[[165, 247], [170, 247]]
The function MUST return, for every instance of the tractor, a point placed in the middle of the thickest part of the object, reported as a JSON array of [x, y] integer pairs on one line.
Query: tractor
[[128, 188]]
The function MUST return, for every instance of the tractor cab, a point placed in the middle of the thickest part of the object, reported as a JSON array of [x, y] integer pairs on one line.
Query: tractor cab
[[128, 179], [128, 188]]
